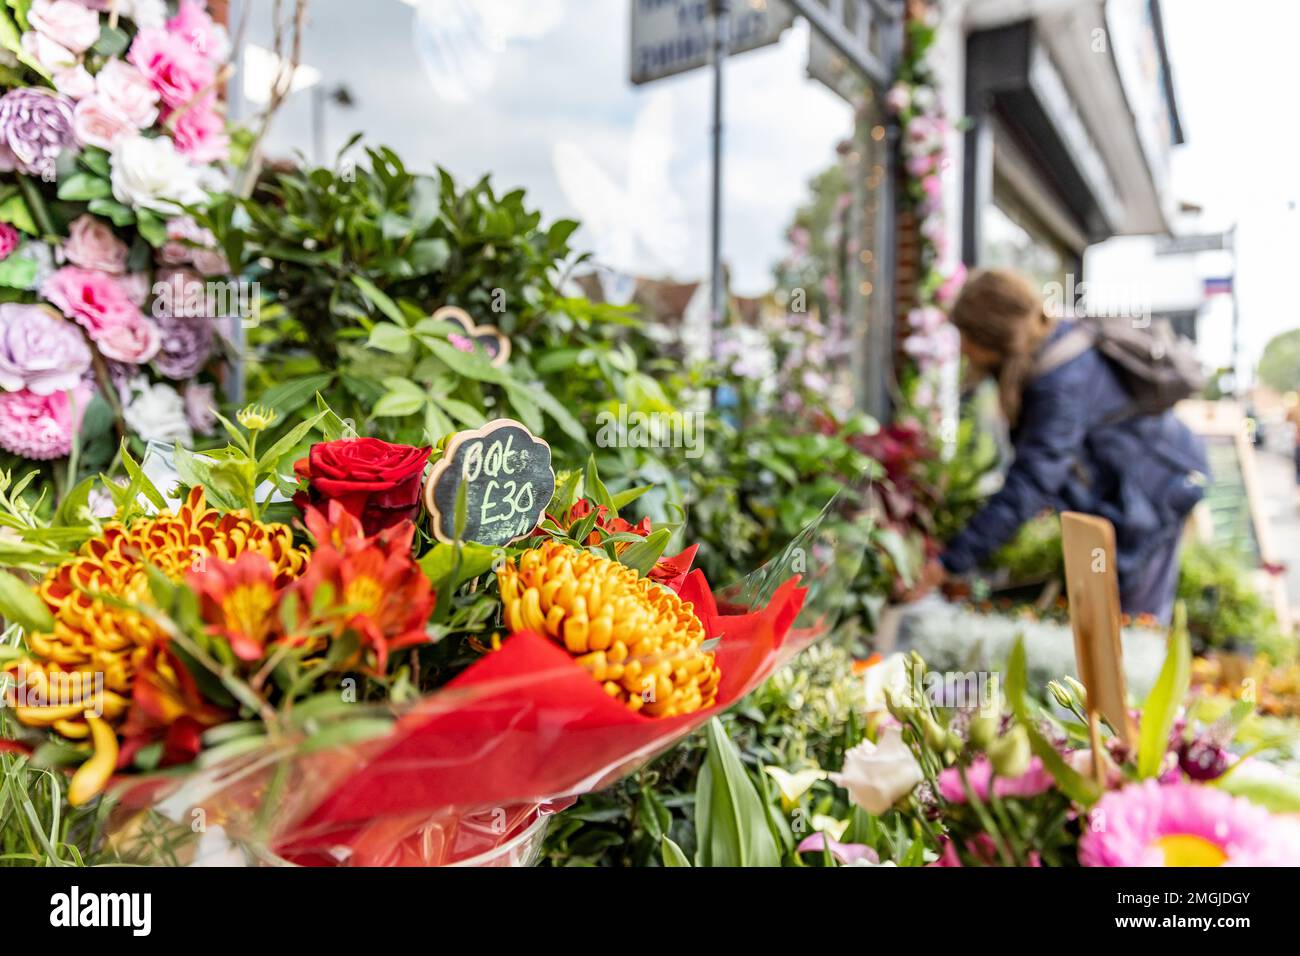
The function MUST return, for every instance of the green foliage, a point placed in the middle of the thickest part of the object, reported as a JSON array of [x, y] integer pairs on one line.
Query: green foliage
[[1279, 366], [1225, 609]]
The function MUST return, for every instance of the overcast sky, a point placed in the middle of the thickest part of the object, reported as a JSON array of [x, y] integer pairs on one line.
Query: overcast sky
[[634, 162]]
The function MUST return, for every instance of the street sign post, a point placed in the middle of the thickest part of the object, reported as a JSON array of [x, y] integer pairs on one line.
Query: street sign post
[[675, 36]]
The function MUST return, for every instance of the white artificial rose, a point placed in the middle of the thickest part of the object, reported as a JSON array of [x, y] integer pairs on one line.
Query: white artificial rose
[[889, 675], [878, 775], [157, 413], [48, 53], [147, 14], [150, 174], [70, 24], [74, 82]]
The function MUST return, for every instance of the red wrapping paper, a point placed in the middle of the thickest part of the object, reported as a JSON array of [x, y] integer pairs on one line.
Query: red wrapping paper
[[522, 726]]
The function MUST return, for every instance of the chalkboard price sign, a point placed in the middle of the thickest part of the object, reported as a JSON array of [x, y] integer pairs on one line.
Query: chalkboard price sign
[[506, 473]]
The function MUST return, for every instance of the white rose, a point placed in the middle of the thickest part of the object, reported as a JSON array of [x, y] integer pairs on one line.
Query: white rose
[[147, 14], [70, 24], [878, 775], [889, 675], [157, 413], [49, 54], [130, 91], [149, 173]]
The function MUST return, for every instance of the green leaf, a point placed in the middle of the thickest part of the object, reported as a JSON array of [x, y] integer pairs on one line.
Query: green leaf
[[139, 480], [1072, 783], [388, 337], [1165, 699], [624, 498], [287, 397], [15, 212], [11, 39], [380, 300], [288, 442], [117, 214], [1277, 793], [112, 41], [730, 820], [642, 555], [672, 854], [594, 489], [19, 603], [18, 272], [441, 561], [80, 187], [403, 398], [151, 227]]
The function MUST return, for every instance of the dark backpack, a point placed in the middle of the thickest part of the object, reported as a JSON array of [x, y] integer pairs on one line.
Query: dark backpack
[[1157, 367]]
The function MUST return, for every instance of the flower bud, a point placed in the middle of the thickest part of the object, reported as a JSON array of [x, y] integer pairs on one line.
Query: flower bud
[[1061, 694], [1010, 753], [983, 729], [1080, 691], [936, 736]]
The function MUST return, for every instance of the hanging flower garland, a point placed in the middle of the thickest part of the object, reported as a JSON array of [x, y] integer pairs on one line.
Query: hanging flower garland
[[930, 340]]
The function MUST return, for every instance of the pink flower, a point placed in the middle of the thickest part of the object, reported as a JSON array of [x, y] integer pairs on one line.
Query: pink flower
[[1031, 783], [129, 90], [918, 166], [200, 407], [95, 300], [1185, 824], [194, 25], [69, 24], [8, 240], [947, 292], [200, 133], [134, 342], [92, 245], [846, 853], [41, 427], [97, 122], [171, 63], [48, 53], [74, 82]]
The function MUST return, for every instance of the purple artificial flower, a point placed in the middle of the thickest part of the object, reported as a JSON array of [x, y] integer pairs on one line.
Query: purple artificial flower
[[35, 126], [186, 346], [40, 350]]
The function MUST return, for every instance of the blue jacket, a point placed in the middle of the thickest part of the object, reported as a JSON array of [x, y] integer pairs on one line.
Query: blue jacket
[[1076, 450]]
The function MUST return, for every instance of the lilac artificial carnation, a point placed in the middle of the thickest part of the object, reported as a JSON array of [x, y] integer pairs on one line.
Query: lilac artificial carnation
[[40, 350], [186, 346], [35, 126]]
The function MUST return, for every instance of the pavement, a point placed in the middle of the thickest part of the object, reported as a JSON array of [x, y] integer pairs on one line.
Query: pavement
[[1281, 506]]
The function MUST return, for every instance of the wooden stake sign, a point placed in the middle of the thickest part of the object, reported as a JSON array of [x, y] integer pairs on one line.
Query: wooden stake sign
[[487, 337], [1092, 584], [505, 471]]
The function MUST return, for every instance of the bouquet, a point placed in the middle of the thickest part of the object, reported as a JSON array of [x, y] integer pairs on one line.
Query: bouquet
[[326, 682], [111, 132]]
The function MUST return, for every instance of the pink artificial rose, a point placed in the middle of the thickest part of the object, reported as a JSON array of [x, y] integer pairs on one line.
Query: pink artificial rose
[[41, 427], [94, 300], [129, 91], [137, 287], [200, 133], [67, 23], [134, 342], [91, 244], [8, 240], [193, 24], [74, 82], [172, 65], [97, 122]]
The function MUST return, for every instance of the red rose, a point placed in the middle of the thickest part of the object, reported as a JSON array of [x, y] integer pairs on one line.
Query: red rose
[[375, 482]]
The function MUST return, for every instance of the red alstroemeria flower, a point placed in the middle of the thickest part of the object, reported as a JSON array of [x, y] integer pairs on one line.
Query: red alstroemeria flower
[[168, 707], [238, 601], [383, 596], [669, 571]]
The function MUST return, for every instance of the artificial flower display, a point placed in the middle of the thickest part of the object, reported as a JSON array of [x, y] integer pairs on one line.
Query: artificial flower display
[[111, 122]]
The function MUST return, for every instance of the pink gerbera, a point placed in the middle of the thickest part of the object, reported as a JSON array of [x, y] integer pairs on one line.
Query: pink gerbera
[[1185, 824], [41, 427]]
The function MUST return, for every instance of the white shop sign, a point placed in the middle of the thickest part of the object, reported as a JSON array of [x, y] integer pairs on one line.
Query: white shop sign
[[674, 36]]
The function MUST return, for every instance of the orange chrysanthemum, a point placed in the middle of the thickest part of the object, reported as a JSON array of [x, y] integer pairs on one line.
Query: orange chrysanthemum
[[94, 636]]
